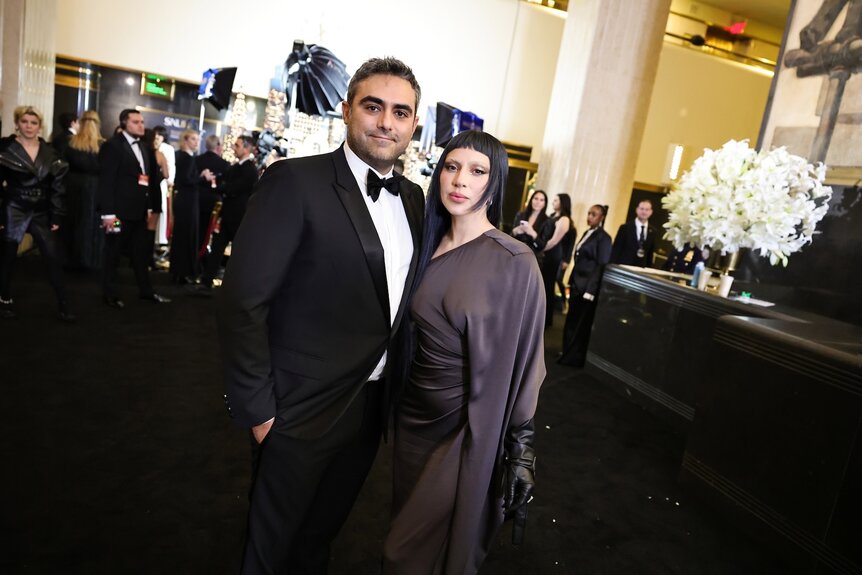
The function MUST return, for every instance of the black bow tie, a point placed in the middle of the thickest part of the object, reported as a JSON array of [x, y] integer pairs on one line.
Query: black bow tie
[[135, 142], [374, 184]]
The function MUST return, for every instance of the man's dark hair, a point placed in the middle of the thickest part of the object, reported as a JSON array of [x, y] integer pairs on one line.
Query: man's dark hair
[[247, 141], [66, 119], [124, 116], [646, 200], [387, 66]]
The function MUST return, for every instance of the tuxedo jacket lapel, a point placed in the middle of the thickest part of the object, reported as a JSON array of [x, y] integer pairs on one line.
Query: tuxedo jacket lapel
[[351, 198], [127, 147]]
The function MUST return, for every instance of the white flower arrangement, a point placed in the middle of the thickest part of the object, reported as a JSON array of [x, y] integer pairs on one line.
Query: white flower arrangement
[[737, 197]]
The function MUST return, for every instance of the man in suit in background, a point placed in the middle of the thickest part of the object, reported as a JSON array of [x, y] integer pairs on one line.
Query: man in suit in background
[[312, 301], [635, 240], [208, 195], [128, 195], [68, 128], [235, 189]]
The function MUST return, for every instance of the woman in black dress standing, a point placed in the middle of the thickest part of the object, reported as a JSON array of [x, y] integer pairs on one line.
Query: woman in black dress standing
[[34, 202], [558, 249], [82, 154], [185, 237], [464, 429]]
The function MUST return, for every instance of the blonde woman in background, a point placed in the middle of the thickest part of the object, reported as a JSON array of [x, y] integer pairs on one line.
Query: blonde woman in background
[[84, 233], [160, 142], [185, 238]]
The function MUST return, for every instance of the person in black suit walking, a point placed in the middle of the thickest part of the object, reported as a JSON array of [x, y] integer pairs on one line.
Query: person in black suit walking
[[592, 252], [635, 241], [239, 180], [311, 305], [128, 195], [208, 195]]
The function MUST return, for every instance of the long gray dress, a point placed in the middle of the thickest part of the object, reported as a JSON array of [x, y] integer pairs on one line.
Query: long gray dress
[[479, 313]]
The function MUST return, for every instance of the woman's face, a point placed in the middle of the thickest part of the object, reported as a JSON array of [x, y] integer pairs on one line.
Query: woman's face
[[157, 140], [28, 126], [463, 180], [193, 142], [538, 203], [556, 204], [594, 216]]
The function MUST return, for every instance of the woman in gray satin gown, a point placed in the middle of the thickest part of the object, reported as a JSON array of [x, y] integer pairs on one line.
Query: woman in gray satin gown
[[464, 458]]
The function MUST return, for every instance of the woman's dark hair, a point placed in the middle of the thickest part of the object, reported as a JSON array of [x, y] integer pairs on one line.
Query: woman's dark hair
[[437, 219], [161, 131], [148, 138], [565, 205], [604, 210], [529, 209], [541, 218]]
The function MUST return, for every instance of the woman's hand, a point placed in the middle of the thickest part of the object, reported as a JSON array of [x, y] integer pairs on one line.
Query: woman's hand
[[55, 227], [530, 231]]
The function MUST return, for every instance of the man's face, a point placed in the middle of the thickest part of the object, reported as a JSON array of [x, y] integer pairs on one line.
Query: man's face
[[643, 211], [381, 120], [240, 151], [135, 125]]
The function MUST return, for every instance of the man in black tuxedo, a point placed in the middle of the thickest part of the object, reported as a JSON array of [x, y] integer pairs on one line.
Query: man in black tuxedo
[[312, 301], [128, 195], [235, 188], [208, 195], [635, 240], [68, 128]]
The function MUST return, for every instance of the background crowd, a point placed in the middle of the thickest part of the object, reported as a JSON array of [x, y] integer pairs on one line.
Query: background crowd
[[88, 202]]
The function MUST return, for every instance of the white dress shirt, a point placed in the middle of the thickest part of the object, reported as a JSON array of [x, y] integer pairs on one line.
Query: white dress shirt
[[136, 148], [641, 228], [392, 227]]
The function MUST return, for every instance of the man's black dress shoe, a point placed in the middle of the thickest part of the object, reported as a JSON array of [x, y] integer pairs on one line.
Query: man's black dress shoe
[[113, 301], [156, 298], [67, 317]]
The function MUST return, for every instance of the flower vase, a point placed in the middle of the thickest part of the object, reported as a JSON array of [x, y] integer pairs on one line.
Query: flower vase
[[725, 281]]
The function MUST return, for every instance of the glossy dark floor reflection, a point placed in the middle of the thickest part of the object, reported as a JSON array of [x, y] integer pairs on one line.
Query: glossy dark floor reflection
[[118, 457]]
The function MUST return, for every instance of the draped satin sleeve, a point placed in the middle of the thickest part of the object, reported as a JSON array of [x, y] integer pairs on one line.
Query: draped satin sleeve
[[505, 351]]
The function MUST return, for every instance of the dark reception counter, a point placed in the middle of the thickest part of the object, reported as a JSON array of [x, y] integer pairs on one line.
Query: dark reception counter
[[770, 401]]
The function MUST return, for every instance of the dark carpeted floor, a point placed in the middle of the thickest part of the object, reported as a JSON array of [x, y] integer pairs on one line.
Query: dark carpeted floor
[[118, 457]]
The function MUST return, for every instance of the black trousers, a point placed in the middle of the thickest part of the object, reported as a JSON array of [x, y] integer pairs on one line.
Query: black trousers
[[133, 239], [576, 330], [219, 244], [550, 268], [48, 243], [303, 489]]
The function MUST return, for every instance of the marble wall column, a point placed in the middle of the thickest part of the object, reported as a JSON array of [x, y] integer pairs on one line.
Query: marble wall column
[[602, 88], [28, 34]]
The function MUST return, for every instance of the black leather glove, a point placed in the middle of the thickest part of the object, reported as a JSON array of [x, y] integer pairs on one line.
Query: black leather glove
[[520, 466], [519, 476]]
